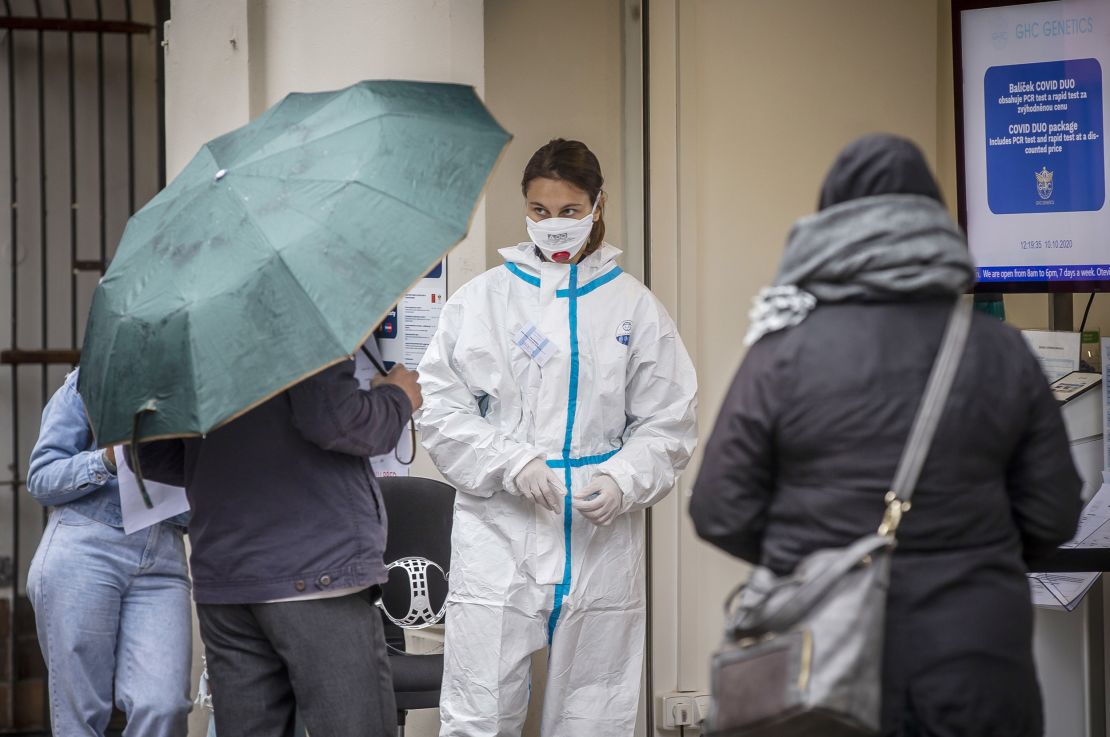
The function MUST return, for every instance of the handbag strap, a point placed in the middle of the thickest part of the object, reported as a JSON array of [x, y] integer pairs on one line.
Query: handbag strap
[[928, 416]]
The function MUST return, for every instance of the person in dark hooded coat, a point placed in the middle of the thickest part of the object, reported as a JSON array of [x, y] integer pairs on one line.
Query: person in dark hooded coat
[[810, 434]]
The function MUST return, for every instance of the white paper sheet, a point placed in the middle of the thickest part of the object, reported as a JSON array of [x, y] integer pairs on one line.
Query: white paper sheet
[[1058, 352], [422, 308], [1062, 591], [169, 501], [1094, 522], [1066, 590], [534, 344]]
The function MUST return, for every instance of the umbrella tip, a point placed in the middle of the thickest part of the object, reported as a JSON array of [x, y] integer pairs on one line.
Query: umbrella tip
[[221, 174]]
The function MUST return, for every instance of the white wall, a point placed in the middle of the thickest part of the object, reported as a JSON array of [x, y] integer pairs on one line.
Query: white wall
[[228, 60], [539, 93]]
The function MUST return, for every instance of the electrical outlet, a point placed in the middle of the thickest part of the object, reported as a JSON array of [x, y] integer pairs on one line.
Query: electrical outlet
[[703, 703], [683, 709], [678, 710]]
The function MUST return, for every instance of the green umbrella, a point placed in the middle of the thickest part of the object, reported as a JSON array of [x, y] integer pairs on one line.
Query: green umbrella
[[277, 250]]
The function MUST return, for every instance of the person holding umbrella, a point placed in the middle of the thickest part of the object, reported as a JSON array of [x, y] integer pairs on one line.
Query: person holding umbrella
[[287, 537], [219, 347], [559, 400]]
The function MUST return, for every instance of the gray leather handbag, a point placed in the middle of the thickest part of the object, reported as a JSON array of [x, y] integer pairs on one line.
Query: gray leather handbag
[[802, 654]]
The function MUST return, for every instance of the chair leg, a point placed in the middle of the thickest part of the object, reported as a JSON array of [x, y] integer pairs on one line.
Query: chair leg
[[401, 718]]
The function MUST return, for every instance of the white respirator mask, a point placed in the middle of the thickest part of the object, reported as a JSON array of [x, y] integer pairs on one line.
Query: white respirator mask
[[560, 239]]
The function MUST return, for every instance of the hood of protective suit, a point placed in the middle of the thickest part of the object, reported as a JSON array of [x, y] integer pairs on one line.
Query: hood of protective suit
[[526, 255]]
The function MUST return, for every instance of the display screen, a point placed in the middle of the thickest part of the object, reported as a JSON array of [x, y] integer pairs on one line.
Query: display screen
[[1031, 140]]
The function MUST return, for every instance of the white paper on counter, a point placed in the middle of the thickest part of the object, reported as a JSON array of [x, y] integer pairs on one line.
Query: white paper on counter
[[1057, 351], [1066, 590], [1061, 591], [1094, 522]]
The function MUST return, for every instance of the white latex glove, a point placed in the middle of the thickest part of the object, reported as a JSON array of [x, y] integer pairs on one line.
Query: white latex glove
[[538, 482], [600, 500]]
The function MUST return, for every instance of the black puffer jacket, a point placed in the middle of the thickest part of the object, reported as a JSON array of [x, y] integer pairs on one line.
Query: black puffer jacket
[[806, 446]]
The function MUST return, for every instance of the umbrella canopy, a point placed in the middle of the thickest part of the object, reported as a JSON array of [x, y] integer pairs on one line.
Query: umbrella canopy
[[277, 250]]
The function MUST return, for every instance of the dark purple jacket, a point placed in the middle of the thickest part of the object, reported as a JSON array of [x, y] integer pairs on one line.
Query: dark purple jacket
[[284, 500]]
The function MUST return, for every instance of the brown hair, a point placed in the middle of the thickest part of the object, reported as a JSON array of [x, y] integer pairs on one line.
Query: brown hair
[[575, 164]]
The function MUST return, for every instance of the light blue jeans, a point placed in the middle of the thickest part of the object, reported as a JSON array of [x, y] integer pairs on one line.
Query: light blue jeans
[[113, 614]]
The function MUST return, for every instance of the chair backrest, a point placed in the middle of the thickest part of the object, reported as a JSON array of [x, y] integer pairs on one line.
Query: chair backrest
[[420, 515]]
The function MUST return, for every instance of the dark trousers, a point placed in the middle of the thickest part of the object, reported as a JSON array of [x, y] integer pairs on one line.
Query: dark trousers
[[325, 658]]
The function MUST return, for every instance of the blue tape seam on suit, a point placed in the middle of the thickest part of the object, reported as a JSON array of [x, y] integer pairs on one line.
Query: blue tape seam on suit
[[602, 280], [567, 463], [533, 280], [563, 588], [584, 460]]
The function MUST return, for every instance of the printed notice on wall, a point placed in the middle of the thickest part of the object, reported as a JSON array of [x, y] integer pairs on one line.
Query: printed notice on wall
[[407, 331], [1056, 351], [403, 337]]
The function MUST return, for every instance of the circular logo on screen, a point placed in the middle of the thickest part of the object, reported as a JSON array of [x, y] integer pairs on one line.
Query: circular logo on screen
[[1044, 183]]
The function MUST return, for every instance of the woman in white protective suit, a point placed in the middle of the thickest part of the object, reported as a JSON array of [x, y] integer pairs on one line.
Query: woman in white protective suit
[[559, 400]]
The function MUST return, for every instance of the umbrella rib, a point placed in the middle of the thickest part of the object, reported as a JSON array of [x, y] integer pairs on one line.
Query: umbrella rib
[[259, 127], [193, 193], [344, 129], [450, 226], [197, 380], [151, 205], [292, 275], [313, 218]]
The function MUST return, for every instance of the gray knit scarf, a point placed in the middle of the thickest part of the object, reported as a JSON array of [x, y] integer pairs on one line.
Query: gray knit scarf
[[872, 249]]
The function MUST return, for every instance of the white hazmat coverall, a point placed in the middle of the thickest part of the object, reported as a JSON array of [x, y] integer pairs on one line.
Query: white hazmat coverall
[[617, 397]]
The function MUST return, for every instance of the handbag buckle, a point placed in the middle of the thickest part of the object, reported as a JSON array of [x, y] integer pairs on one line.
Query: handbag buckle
[[895, 508]]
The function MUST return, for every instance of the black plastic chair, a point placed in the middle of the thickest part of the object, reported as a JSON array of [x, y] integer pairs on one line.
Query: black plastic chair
[[418, 553]]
